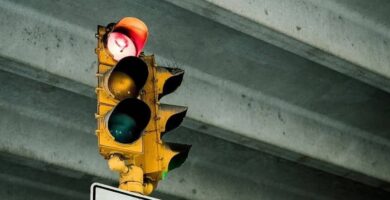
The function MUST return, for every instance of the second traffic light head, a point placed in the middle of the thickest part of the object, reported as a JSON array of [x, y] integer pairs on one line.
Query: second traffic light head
[[126, 78]]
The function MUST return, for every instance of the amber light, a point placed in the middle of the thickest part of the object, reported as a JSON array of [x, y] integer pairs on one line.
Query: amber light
[[122, 85]]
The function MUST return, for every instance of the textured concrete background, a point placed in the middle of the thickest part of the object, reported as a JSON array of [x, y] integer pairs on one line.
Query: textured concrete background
[[287, 100]]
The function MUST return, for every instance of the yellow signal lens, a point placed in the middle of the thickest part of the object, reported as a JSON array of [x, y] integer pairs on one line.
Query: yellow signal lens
[[121, 85]]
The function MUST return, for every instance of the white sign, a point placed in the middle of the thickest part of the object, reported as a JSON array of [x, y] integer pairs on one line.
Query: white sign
[[104, 192]]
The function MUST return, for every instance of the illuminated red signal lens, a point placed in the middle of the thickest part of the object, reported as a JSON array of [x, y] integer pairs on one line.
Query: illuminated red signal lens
[[120, 46]]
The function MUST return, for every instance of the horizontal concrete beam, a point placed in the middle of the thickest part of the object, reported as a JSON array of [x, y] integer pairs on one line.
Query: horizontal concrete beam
[[351, 37], [259, 96], [47, 145], [25, 178]]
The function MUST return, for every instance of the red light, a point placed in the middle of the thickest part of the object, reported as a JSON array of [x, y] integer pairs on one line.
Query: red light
[[120, 45]]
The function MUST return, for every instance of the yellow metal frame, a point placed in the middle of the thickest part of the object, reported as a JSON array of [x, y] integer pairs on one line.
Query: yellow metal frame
[[142, 163], [106, 103]]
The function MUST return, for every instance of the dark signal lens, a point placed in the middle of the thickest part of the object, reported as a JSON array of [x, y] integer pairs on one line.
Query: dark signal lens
[[179, 158], [121, 85], [123, 128]]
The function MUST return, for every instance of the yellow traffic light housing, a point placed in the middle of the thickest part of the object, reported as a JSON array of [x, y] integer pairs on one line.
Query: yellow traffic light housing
[[131, 121], [158, 155]]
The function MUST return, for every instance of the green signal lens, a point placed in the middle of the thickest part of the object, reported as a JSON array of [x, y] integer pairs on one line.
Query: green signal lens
[[122, 127], [164, 175]]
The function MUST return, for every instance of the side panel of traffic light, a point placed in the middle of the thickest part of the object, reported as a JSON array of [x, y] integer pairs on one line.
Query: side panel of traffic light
[[158, 155]]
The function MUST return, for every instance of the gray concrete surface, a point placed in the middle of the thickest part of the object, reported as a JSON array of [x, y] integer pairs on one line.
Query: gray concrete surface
[[350, 36], [48, 155], [240, 86]]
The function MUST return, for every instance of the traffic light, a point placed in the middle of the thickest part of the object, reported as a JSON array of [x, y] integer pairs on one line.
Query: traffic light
[[131, 121], [159, 156], [121, 116]]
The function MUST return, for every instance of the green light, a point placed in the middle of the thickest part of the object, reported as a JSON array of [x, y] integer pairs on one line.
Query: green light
[[164, 175], [122, 127]]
